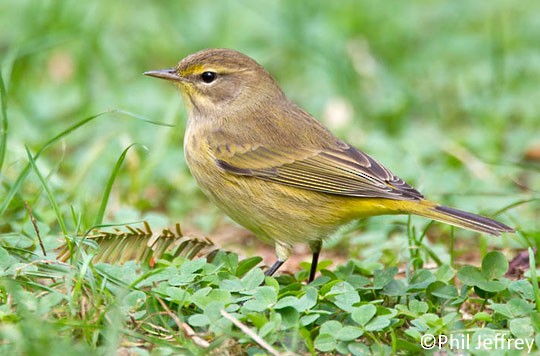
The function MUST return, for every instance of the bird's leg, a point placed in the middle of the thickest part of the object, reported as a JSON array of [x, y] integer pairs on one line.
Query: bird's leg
[[282, 252], [274, 268], [316, 249]]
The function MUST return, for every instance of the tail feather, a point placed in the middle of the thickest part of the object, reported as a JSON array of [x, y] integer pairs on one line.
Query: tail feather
[[460, 218]]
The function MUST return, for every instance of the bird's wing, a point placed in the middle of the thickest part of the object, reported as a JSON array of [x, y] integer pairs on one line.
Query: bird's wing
[[341, 171]]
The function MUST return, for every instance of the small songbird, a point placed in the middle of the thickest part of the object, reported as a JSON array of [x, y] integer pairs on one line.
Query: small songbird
[[276, 170]]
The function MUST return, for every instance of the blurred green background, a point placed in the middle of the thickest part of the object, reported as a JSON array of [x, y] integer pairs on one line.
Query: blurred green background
[[445, 93]]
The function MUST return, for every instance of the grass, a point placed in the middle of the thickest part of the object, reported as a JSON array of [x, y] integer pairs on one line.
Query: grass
[[443, 93]]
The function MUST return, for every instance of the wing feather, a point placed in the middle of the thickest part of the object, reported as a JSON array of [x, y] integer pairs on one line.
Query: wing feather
[[341, 171]]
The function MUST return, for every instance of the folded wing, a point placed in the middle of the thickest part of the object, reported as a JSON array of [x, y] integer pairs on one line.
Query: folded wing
[[341, 171]]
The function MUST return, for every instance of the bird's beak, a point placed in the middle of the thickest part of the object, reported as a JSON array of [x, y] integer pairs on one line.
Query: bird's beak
[[168, 74]]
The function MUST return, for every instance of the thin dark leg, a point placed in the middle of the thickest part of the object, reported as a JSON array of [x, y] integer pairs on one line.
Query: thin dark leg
[[316, 248], [274, 268], [313, 270]]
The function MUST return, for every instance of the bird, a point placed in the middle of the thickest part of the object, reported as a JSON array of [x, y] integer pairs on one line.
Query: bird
[[275, 169]]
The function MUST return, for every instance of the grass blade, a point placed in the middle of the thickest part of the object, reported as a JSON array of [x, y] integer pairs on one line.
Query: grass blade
[[141, 118], [4, 123], [534, 278], [18, 183], [110, 182], [55, 206]]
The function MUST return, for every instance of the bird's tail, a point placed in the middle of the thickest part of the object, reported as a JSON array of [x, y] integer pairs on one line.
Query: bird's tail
[[458, 218]]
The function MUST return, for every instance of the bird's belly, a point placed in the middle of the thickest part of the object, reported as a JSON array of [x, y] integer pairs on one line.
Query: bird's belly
[[274, 212]]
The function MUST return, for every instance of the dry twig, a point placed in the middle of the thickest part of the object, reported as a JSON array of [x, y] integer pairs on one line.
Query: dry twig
[[259, 340], [188, 331]]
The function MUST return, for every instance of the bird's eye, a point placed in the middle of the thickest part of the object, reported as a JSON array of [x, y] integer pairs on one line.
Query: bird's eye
[[208, 77]]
